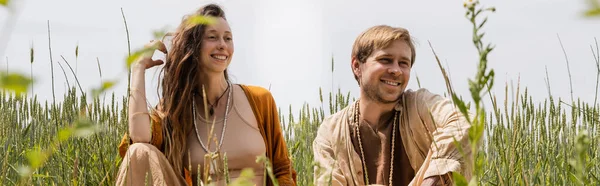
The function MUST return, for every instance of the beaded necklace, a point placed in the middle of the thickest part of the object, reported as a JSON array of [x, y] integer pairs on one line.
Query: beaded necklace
[[357, 131]]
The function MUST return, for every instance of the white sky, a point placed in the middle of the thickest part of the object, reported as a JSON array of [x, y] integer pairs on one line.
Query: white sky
[[288, 45]]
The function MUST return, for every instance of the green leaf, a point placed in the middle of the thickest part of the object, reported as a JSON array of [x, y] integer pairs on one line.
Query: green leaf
[[458, 146], [481, 25], [144, 52], [105, 86], [160, 33], [592, 12], [64, 134], [26, 131], [595, 178], [267, 164], [574, 178], [84, 128], [36, 158], [459, 179], [108, 84], [245, 178], [461, 106], [473, 181], [200, 20], [15, 82], [4, 2]]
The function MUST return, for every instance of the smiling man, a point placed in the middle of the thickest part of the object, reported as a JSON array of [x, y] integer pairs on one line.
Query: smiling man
[[390, 135]]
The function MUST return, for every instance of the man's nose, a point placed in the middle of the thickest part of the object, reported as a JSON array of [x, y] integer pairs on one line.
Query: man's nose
[[395, 70]]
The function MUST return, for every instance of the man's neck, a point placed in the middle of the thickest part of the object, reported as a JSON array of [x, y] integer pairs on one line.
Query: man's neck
[[375, 113]]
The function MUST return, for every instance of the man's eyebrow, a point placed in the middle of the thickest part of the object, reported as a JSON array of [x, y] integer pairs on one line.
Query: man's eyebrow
[[385, 54], [390, 55]]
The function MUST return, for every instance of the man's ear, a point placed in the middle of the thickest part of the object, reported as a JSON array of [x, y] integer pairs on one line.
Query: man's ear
[[355, 67]]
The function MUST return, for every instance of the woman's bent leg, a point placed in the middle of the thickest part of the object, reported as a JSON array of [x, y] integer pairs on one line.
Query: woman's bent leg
[[144, 164]]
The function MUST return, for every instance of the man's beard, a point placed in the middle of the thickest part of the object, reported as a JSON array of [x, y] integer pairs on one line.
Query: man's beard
[[372, 92]]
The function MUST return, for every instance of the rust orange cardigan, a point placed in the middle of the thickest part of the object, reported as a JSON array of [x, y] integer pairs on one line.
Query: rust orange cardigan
[[265, 111]]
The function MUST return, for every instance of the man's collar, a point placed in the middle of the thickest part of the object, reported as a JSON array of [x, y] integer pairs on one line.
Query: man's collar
[[400, 103]]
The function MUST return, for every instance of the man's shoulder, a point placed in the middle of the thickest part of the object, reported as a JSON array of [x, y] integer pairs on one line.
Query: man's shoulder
[[334, 121], [421, 94], [336, 117], [332, 129]]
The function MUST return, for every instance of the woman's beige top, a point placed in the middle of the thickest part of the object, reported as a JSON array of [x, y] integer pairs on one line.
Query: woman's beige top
[[242, 143], [265, 112]]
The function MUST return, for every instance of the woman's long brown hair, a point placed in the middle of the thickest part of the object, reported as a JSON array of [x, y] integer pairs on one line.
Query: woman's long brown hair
[[181, 79]]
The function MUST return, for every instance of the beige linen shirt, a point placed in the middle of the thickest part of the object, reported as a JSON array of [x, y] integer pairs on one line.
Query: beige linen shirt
[[429, 125]]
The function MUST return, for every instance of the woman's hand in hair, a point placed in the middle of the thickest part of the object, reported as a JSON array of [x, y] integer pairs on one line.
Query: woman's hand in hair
[[146, 61], [139, 123]]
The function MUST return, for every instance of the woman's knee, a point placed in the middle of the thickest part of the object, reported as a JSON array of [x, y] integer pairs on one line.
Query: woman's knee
[[140, 151]]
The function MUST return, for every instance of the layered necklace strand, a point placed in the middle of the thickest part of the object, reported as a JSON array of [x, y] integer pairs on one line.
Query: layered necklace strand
[[212, 107], [357, 131], [224, 121]]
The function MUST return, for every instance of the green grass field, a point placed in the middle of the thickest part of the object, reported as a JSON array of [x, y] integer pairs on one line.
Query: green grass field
[[74, 142]]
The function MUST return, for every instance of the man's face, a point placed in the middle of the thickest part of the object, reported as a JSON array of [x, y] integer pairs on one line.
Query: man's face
[[384, 75]]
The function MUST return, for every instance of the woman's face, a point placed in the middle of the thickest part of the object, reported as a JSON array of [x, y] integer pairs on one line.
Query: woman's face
[[217, 46]]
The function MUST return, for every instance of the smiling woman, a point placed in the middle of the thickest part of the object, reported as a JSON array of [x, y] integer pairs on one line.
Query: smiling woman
[[174, 144]]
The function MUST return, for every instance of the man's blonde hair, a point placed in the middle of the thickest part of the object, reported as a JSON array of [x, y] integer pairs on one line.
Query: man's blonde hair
[[380, 37]]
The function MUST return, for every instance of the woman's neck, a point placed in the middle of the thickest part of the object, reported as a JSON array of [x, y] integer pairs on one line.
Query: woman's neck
[[214, 86]]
